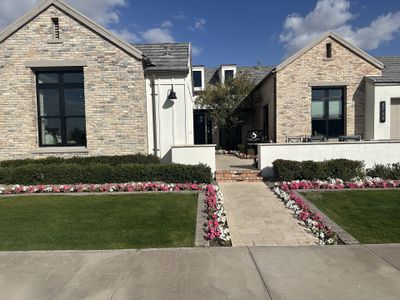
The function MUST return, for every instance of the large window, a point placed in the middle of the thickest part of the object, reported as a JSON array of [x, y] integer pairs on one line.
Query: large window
[[327, 111], [61, 108]]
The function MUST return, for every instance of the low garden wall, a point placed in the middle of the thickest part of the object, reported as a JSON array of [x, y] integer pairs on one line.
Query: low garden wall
[[194, 155], [374, 152]]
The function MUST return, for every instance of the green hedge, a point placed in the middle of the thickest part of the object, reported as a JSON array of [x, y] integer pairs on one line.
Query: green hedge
[[390, 171], [110, 160], [345, 169], [34, 174]]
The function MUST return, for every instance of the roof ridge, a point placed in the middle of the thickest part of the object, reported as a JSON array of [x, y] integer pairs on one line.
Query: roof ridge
[[170, 43]]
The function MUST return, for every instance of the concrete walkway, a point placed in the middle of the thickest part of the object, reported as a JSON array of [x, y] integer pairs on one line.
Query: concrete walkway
[[231, 162], [256, 217], [331, 272]]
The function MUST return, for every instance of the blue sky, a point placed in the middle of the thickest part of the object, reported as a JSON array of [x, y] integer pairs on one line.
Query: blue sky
[[241, 32]]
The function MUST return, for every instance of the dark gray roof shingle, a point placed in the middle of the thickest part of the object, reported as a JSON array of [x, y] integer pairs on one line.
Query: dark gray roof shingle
[[167, 56], [211, 75], [391, 72]]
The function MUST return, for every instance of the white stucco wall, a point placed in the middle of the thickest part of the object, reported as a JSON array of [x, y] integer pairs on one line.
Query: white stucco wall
[[174, 117], [194, 155], [371, 153], [384, 93], [370, 111]]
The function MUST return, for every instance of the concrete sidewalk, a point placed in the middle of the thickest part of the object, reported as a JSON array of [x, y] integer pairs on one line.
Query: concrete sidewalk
[[256, 217], [331, 272]]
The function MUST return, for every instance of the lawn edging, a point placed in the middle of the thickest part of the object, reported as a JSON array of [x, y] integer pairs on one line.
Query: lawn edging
[[200, 240], [327, 231], [215, 227], [342, 234]]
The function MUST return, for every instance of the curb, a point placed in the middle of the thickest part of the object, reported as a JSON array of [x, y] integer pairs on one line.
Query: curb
[[201, 219]]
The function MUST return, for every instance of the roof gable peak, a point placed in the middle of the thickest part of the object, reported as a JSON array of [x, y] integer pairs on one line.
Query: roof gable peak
[[339, 39], [61, 5]]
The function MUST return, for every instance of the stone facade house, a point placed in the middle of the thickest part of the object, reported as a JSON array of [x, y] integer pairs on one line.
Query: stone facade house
[[70, 87], [330, 88]]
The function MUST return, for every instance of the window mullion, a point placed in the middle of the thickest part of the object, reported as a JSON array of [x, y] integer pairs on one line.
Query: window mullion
[[62, 110]]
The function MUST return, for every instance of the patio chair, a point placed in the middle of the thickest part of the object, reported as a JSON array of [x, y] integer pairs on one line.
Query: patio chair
[[316, 138], [349, 138], [294, 139]]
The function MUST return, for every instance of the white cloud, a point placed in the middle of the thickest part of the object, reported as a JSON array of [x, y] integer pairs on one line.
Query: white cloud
[[336, 15], [180, 16], [106, 12], [200, 23], [166, 24], [157, 35], [127, 35], [103, 11], [196, 51]]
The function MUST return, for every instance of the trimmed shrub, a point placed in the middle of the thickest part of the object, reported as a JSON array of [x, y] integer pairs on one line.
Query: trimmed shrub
[[110, 160], [310, 169], [389, 171], [288, 170], [35, 174], [345, 169]]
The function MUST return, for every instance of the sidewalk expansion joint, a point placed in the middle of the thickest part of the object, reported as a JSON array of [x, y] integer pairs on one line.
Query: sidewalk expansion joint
[[259, 273], [119, 280]]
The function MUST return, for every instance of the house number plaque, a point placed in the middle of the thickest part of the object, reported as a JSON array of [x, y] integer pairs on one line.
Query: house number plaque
[[382, 112]]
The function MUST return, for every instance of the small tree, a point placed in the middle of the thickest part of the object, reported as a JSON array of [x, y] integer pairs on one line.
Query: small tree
[[228, 103]]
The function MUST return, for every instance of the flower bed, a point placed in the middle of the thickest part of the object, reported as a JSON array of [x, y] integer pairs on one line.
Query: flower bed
[[216, 228], [337, 184], [236, 153], [285, 191]]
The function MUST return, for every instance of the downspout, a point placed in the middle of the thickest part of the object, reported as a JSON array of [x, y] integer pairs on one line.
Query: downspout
[[154, 109]]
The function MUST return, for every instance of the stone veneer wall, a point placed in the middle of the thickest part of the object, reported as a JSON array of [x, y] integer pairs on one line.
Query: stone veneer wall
[[115, 98], [294, 90]]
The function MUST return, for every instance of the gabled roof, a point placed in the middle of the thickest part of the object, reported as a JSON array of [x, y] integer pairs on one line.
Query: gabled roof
[[391, 72], [42, 6], [167, 56], [340, 40]]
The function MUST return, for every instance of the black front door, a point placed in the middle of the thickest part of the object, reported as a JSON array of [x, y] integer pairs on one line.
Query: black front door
[[200, 128], [327, 111]]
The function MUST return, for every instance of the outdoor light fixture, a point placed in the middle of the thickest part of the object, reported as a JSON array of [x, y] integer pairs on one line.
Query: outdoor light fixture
[[172, 94]]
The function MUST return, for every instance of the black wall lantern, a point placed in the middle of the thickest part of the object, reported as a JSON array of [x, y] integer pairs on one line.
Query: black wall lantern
[[172, 94]]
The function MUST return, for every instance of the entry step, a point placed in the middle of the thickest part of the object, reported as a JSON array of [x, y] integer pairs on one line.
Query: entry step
[[238, 175]]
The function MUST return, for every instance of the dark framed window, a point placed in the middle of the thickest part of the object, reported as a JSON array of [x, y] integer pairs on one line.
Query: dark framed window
[[229, 74], [198, 79], [61, 108], [327, 111]]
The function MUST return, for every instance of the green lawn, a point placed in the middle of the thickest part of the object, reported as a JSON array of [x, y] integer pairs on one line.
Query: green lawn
[[97, 221], [369, 216]]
